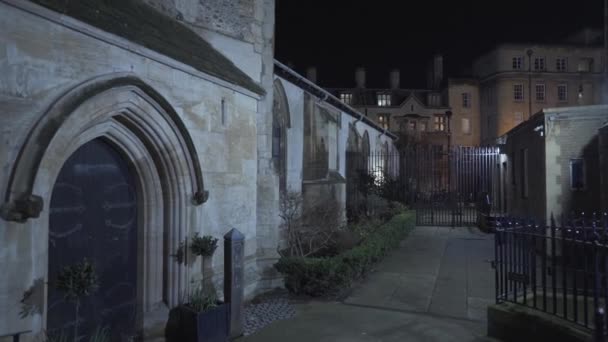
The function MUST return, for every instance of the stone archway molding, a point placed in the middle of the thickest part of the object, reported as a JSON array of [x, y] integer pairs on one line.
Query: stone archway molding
[[20, 203]]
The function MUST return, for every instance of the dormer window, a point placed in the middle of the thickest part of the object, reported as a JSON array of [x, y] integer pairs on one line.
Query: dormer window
[[347, 98], [384, 100]]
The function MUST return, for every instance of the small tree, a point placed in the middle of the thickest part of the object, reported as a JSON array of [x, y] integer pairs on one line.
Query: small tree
[[77, 281]]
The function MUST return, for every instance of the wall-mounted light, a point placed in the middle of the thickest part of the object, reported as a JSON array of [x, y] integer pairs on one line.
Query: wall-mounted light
[[580, 91]]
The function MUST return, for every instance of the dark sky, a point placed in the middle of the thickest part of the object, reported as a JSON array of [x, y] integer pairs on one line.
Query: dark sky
[[336, 36]]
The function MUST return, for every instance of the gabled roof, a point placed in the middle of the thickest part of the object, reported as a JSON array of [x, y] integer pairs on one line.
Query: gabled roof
[[143, 25]]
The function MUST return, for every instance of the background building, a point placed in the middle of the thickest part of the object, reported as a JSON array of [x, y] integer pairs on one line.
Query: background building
[[419, 115], [517, 80]]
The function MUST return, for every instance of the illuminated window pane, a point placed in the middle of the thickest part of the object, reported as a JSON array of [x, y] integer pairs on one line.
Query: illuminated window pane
[[384, 100], [346, 98]]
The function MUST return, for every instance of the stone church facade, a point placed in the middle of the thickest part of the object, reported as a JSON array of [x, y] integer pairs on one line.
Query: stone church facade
[[127, 127]]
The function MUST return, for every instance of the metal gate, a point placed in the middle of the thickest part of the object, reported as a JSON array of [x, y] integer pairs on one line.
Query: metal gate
[[93, 217], [452, 187], [447, 186]]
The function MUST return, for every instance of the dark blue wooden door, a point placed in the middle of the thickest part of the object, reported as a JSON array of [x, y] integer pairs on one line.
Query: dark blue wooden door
[[93, 216]]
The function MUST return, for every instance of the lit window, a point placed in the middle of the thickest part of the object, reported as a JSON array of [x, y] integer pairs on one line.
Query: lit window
[[466, 125], [561, 64], [518, 92], [466, 100], [346, 98], [539, 63], [439, 123], [383, 121], [562, 92], [384, 100], [423, 126], [517, 63], [412, 125], [577, 174], [585, 64], [540, 91], [518, 117]]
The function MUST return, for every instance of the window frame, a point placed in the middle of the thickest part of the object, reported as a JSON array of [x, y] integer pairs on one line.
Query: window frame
[[561, 67], [589, 64], [544, 92], [462, 126], [583, 174], [466, 100], [565, 98], [383, 120], [522, 97], [517, 62], [383, 100], [346, 98], [540, 63], [439, 123]]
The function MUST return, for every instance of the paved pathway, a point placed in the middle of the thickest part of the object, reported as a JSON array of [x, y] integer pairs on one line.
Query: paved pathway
[[435, 287]]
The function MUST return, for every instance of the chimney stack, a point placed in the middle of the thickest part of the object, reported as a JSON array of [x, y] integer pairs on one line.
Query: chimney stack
[[395, 79], [360, 77], [311, 74], [435, 72]]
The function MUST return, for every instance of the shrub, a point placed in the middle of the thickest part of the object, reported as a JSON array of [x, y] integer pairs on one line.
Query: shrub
[[203, 246], [326, 276]]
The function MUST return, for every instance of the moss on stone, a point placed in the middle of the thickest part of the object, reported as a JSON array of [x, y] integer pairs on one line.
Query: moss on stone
[[143, 25]]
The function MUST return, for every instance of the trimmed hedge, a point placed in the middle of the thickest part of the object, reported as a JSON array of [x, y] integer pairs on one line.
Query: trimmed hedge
[[325, 276]]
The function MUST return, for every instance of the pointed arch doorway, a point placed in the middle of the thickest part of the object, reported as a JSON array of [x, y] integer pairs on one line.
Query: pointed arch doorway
[[93, 217]]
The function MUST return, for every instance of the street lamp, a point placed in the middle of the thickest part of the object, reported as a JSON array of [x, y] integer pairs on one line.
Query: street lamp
[[529, 53]]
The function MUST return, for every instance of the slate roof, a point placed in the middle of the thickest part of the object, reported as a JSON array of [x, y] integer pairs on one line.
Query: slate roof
[[143, 25]]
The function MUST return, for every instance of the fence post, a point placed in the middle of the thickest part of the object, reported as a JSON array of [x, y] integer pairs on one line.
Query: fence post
[[599, 325]]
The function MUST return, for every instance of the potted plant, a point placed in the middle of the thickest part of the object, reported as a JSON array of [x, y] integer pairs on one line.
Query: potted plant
[[202, 317]]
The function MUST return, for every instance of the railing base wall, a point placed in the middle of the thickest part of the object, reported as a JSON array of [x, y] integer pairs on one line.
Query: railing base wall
[[511, 322]]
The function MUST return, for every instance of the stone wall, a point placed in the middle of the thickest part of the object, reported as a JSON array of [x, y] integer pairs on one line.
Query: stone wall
[[46, 54], [572, 133], [460, 113]]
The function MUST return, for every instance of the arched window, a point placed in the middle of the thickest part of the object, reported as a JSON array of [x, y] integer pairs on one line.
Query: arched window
[[280, 124]]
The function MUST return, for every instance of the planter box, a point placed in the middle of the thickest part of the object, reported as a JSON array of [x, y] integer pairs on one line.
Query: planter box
[[188, 325]]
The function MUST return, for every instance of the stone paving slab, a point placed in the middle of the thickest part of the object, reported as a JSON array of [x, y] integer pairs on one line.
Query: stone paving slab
[[329, 322], [435, 287]]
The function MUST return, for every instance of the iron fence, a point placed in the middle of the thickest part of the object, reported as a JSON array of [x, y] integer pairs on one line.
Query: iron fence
[[446, 186], [560, 268]]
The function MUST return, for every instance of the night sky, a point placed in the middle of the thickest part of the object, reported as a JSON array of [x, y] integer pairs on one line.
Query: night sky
[[336, 36]]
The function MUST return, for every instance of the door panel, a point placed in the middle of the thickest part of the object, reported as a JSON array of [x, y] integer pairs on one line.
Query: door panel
[[93, 216]]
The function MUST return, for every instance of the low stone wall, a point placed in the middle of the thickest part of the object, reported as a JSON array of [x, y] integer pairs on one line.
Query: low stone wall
[[512, 322]]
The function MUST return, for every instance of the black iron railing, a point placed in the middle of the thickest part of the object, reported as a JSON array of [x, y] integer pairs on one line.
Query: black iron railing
[[560, 268]]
